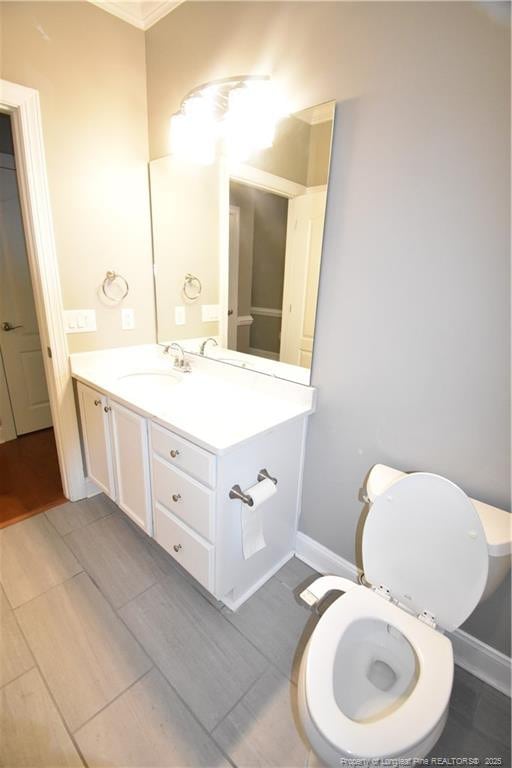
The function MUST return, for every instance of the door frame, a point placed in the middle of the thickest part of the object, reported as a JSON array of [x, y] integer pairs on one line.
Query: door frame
[[23, 106], [234, 211]]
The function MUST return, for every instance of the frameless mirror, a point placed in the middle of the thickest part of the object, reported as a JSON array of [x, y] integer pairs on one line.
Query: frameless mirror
[[237, 249]]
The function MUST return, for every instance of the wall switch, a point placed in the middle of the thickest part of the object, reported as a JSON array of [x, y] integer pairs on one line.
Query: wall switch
[[79, 320], [210, 313], [127, 319], [179, 315]]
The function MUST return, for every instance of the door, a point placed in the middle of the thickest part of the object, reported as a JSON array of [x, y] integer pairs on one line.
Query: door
[[306, 215], [234, 256], [19, 335], [131, 461], [96, 435]]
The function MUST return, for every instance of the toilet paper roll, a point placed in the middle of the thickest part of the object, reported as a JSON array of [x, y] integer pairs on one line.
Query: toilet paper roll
[[252, 517]]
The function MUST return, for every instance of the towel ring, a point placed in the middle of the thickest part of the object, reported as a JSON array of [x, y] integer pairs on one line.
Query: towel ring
[[109, 280], [192, 287]]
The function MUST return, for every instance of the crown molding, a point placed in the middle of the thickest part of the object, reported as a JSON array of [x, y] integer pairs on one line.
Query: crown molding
[[141, 14]]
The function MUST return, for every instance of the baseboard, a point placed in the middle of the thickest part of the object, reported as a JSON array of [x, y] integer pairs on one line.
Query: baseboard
[[234, 605], [473, 655], [322, 559], [483, 661]]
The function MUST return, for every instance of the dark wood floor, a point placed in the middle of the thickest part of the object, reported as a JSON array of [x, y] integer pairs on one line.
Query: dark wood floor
[[29, 476]]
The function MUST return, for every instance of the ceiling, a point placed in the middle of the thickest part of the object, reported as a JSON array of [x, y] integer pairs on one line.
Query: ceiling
[[142, 14]]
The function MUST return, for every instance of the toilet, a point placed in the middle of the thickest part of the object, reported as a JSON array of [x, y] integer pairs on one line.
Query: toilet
[[376, 676]]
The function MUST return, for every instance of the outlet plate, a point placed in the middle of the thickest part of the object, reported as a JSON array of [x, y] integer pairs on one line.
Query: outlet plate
[[180, 317], [127, 319]]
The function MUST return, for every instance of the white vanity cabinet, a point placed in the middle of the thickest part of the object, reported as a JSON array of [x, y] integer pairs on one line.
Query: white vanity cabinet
[[96, 437], [183, 482], [116, 453], [171, 454], [198, 523]]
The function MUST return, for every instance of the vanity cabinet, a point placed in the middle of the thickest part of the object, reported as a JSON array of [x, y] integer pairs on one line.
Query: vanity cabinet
[[131, 467], [183, 481], [116, 453], [96, 437], [179, 493]]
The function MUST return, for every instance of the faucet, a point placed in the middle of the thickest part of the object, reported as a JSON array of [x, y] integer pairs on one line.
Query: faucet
[[179, 361], [205, 342]]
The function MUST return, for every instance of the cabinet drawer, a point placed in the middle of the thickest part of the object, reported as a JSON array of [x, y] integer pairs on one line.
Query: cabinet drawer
[[183, 454], [187, 548], [185, 497]]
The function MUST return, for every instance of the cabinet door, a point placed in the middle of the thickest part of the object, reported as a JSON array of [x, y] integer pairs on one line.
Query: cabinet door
[[96, 435], [131, 460]]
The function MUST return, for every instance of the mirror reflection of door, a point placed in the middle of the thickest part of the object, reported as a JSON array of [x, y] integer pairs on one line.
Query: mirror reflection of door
[[281, 198], [24, 403], [302, 274]]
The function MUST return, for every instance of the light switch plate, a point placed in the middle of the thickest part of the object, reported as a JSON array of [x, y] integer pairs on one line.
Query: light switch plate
[[127, 319], [79, 320], [180, 317], [209, 313]]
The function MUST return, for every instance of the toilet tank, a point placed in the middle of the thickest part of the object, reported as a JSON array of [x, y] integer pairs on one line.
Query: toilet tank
[[497, 525]]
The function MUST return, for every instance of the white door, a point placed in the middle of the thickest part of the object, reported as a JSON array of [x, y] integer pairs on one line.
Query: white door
[[234, 256], [304, 235], [96, 435], [131, 462], [19, 335]]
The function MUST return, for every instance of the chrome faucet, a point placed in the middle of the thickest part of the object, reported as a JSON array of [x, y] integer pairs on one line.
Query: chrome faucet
[[205, 342], [179, 360]]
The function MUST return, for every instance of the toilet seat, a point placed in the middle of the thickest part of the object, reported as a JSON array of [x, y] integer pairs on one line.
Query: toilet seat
[[396, 733]]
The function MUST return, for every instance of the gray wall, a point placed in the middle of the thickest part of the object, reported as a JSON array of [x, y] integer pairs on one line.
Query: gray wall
[[412, 356]]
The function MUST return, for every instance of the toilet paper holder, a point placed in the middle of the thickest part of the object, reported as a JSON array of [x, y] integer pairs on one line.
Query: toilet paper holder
[[237, 493]]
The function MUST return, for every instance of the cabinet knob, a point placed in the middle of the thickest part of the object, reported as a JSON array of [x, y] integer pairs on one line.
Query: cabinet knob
[[97, 402], [176, 496], [177, 547], [174, 453], [107, 408]]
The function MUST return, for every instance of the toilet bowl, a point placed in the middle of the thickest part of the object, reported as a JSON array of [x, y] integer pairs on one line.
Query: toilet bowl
[[376, 675]]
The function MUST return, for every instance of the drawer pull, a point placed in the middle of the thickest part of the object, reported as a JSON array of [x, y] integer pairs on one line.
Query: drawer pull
[[177, 547], [176, 496], [97, 402], [174, 453]]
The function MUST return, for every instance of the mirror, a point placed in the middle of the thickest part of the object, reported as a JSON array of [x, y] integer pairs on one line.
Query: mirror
[[237, 249]]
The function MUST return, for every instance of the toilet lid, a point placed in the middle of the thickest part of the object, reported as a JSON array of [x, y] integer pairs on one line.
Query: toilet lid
[[424, 541]]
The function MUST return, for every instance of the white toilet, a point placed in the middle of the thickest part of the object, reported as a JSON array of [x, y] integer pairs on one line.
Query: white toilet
[[376, 676]]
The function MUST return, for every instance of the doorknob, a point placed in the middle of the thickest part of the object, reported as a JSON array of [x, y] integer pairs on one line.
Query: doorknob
[[8, 327], [230, 312]]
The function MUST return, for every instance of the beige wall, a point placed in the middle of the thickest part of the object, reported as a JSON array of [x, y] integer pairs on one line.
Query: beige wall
[[89, 69], [412, 355]]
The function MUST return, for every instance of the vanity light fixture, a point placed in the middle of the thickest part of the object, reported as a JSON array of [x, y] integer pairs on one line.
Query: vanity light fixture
[[236, 114]]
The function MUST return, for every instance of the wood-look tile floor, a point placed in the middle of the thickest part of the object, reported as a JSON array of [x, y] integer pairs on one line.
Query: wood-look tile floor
[[110, 655], [29, 476]]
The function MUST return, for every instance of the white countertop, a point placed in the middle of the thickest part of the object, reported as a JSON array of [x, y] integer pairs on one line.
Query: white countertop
[[215, 406]]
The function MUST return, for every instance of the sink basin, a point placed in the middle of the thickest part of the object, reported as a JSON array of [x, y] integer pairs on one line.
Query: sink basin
[[149, 383]]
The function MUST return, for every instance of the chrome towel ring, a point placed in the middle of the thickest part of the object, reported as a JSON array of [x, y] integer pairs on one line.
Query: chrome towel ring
[[192, 287], [110, 279]]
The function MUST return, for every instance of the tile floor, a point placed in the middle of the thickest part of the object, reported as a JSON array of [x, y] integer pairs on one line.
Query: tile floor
[[110, 655]]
